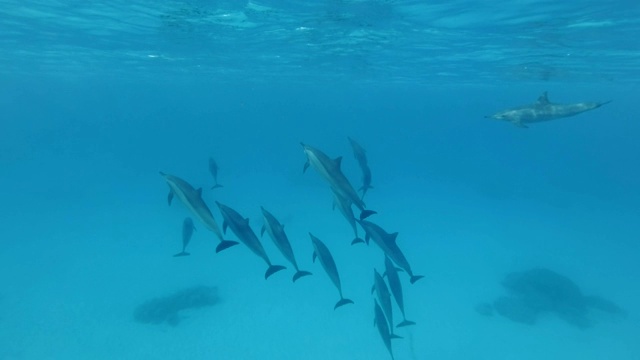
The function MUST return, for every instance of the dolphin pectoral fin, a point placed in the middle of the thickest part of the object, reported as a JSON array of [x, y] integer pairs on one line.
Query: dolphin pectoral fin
[[313, 259], [170, 197], [199, 191], [306, 166], [300, 274], [342, 302], [225, 244], [366, 213], [367, 238], [394, 336], [338, 162], [216, 186], [182, 253], [415, 278], [520, 125], [264, 227], [406, 323], [357, 241], [273, 269]]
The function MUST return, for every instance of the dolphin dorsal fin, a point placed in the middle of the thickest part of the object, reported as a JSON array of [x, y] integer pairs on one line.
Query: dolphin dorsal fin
[[199, 191], [246, 220], [338, 162], [543, 99], [393, 236]]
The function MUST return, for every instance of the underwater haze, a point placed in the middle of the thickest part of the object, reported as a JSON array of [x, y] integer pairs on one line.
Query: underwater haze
[[526, 232]]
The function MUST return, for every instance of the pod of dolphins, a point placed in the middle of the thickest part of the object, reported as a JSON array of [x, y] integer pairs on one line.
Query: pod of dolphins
[[345, 198]]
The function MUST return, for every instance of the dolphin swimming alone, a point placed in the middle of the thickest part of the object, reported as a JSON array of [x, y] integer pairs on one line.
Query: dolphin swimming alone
[[330, 170], [240, 226], [387, 242], [543, 110], [279, 237], [192, 199], [187, 231], [321, 252], [361, 157], [396, 289], [213, 169]]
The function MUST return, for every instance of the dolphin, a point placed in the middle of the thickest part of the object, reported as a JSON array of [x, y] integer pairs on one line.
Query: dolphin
[[361, 156], [240, 226], [187, 231], [396, 288], [192, 199], [213, 169], [387, 243], [279, 237], [321, 251], [344, 206], [384, 298], [383, 328], [543, 110], [330, 170]]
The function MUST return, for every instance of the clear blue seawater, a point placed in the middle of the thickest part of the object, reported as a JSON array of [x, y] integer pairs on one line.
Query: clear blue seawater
[[97, 97]]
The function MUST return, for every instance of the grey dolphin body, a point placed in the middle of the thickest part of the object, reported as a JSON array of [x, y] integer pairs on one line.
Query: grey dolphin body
[[192, 199], [321, 252], [240, 226], [396, 288], [383, 328], [384, 298], [387, 242], [187, 231], [330, 170], [543, 110], [213, 169], [344, 206], [361, 156], [279, 237]]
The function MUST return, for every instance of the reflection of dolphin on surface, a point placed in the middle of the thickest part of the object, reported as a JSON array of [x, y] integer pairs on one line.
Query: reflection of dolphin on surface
[[543, 110], [539, 291]]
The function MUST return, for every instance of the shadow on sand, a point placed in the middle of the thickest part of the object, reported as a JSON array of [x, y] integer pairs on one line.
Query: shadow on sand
[[167, 309]]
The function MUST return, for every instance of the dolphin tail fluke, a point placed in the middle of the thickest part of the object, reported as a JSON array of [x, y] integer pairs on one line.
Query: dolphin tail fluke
[[216, 186], [357, 241], [415, 278], [405, 323], [342, 301], [366, 213], [300, 274], [182, 253], [225, 244], [273, 269]]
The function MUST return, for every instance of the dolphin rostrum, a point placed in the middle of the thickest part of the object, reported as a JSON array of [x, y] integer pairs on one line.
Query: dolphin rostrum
[[192, 199], [361, 157], [187, 231], [321, 251], [279, 237], [383, 327], [213, 169], [330, 170], [384, 298], [396, 288], [240, 226], [543, 110], [387, 242], [344, 206]]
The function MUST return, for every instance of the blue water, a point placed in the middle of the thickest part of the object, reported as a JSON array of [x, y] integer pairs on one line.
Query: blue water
[[96, 98]]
